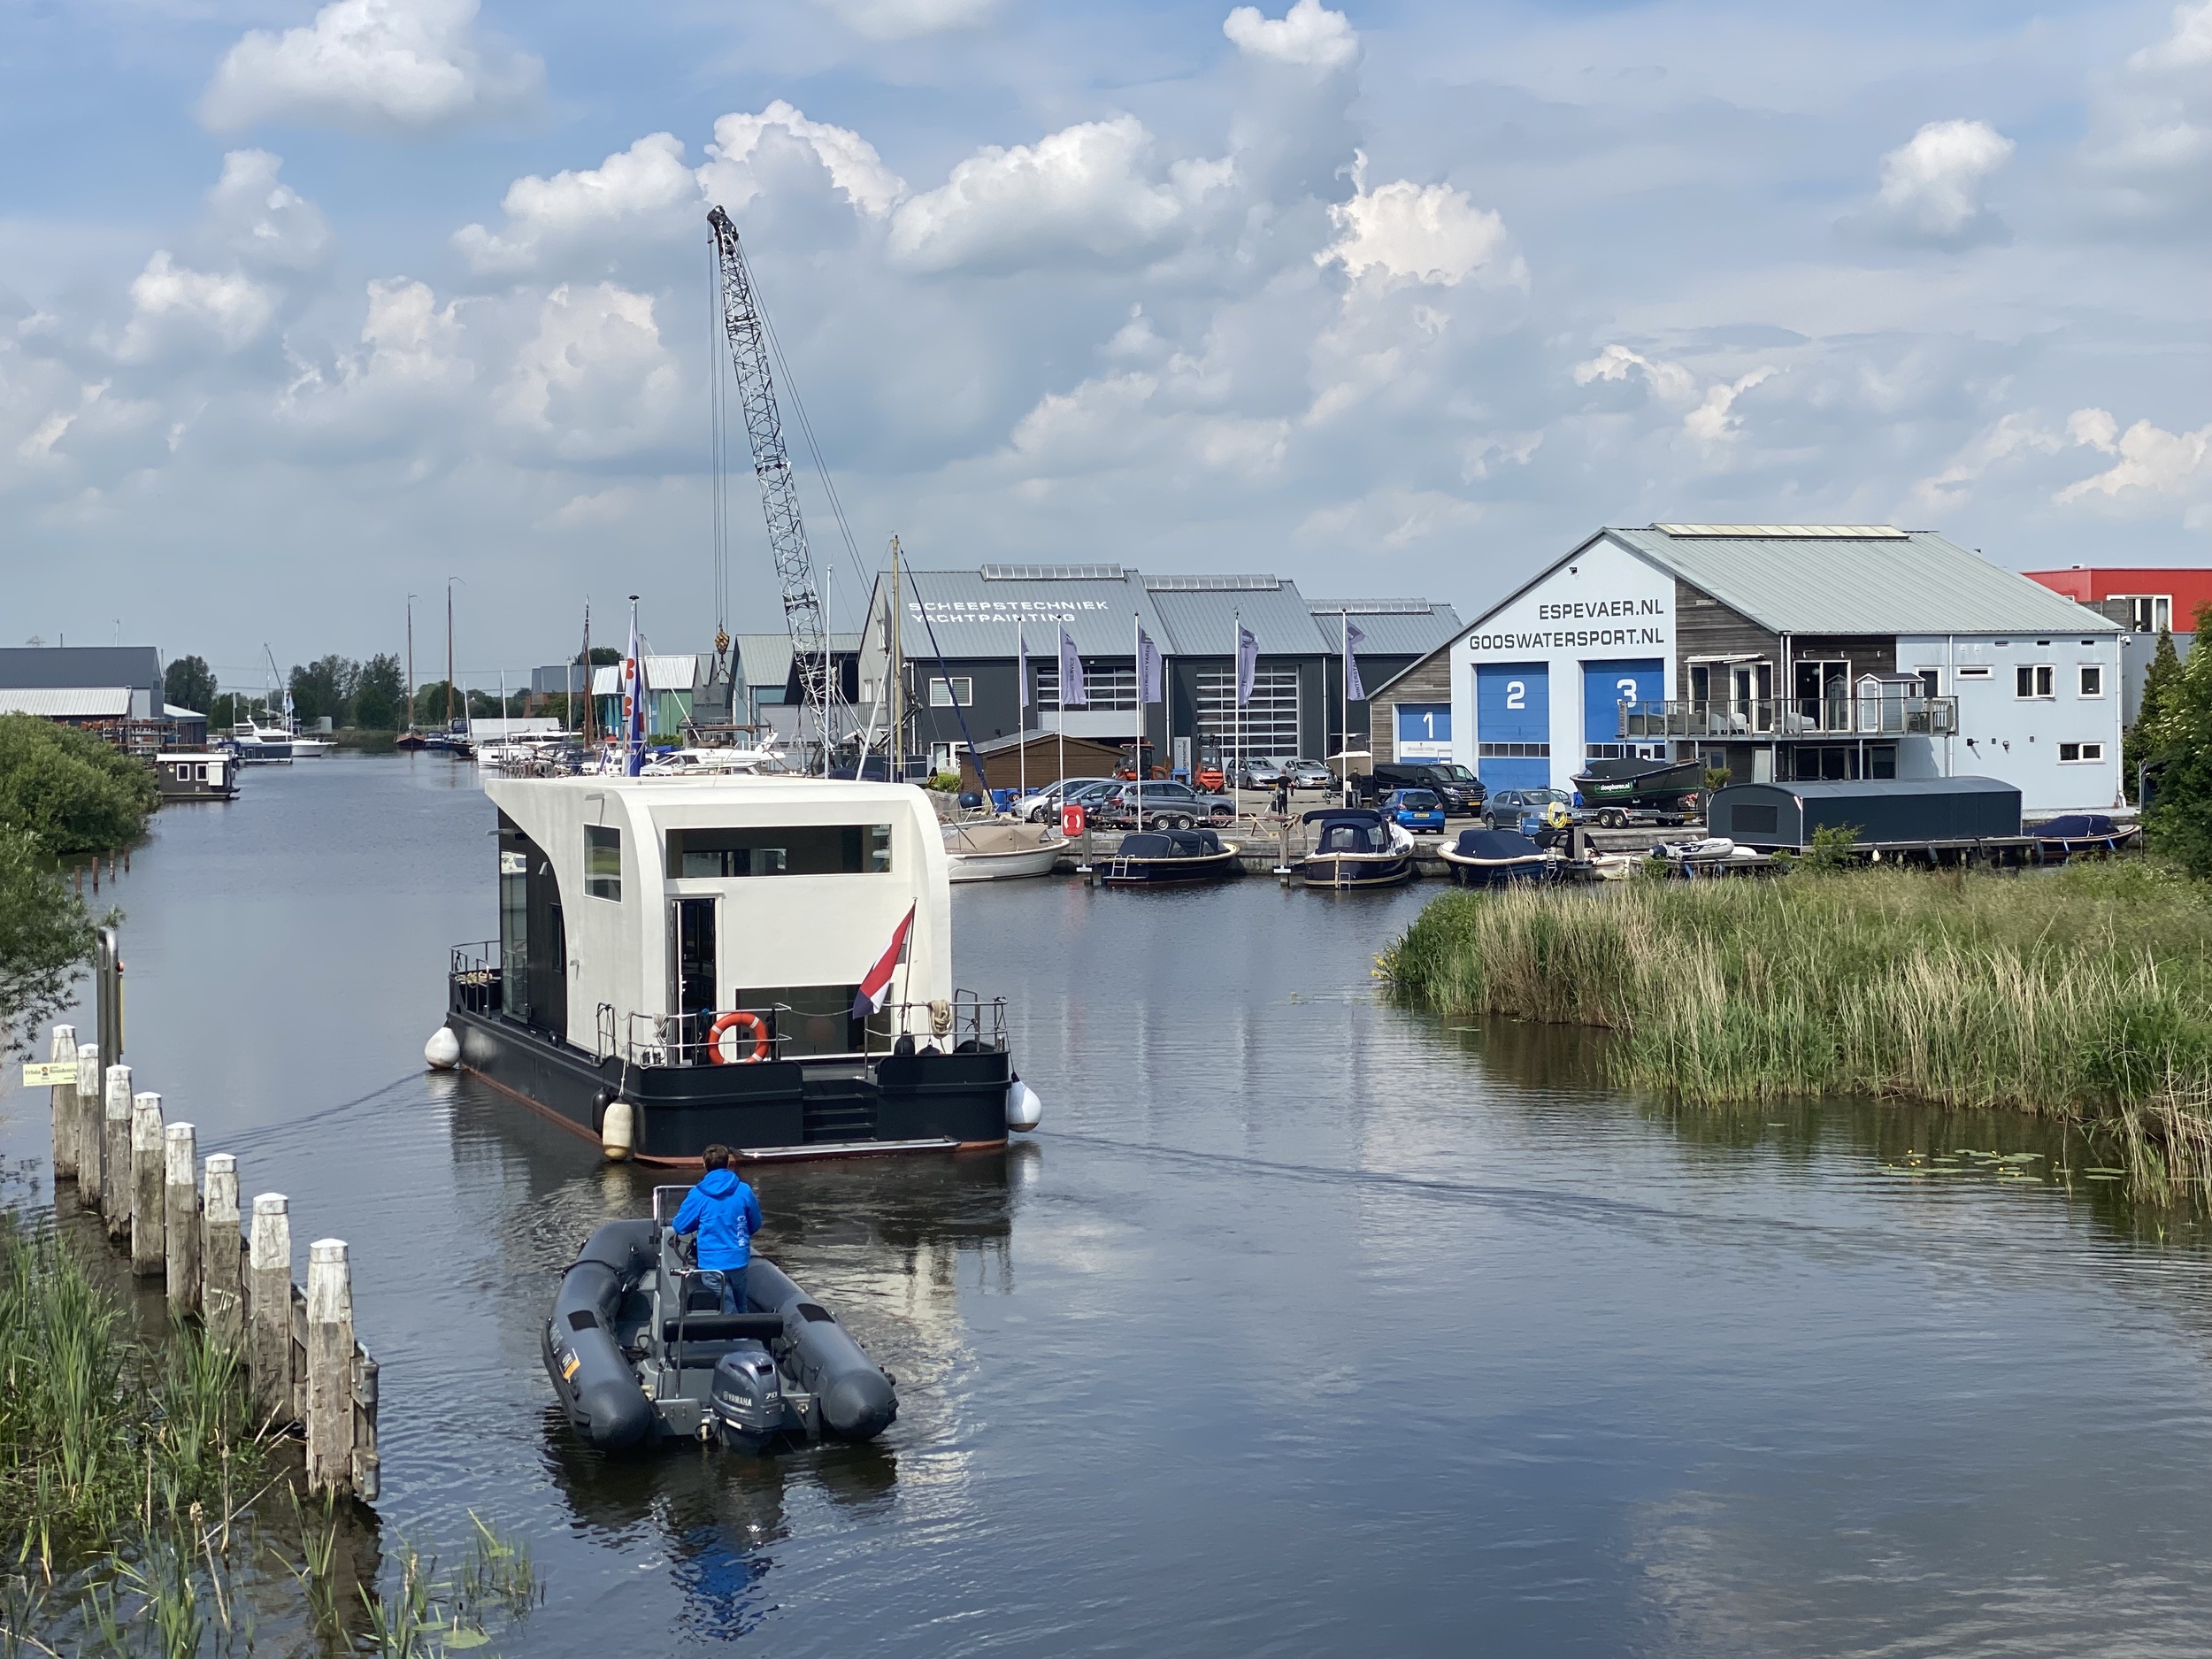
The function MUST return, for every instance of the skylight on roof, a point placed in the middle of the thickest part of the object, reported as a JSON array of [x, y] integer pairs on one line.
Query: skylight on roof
[[1052, 574], [1788, 532], [1213, 584]]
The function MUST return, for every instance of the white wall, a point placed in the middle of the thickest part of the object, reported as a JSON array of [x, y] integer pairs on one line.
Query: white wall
[[2003, 736], [1604, 602]]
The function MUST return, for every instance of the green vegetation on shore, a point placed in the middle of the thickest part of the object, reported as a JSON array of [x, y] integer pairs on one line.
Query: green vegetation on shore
[[2084, 993], [71, 791]]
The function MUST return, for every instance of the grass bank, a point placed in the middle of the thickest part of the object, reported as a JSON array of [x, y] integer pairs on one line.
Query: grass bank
[[2084, 993]]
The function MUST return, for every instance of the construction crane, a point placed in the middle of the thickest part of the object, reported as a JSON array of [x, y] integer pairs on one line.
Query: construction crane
[[748, 329]]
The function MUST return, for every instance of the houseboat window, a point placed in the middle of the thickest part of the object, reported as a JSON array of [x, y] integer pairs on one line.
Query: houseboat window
[[807, 849], [603, 861], [514, 934], [817, 1018]]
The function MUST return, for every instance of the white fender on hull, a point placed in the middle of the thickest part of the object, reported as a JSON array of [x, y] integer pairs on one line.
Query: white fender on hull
[[443, 1052], [617, 1130], [1025, 1108]]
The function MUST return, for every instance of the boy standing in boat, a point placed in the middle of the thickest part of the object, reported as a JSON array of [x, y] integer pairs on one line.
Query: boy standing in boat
[[724, 1212]]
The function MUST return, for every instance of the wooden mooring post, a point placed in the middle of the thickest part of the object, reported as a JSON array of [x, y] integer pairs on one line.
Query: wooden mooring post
[[298, 1349]]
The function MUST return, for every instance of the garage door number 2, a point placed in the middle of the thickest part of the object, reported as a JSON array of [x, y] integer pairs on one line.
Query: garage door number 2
[[1516, 694]]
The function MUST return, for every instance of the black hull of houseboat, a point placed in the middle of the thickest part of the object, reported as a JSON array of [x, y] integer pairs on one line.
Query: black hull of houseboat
[[1350, 873], [774, 1109], [1171, 873]]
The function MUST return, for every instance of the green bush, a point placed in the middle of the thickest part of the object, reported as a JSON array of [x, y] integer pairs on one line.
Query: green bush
[[1834, 846], [45, 936], [70, 790]]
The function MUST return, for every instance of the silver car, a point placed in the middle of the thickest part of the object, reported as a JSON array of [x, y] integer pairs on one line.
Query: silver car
[[1309, 774]]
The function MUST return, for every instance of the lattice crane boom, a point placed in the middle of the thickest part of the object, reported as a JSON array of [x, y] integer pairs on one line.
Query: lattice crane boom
[[748, 330]]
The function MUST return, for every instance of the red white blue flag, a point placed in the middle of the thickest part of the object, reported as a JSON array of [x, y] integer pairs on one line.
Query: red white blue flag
[[875, 988], [633, 705]]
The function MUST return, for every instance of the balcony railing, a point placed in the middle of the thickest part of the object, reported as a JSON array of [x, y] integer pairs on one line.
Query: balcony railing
[[1769, 719]]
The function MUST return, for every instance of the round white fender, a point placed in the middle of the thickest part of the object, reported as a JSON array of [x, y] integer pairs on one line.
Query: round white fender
[[1023, 1107], [617, 1130], [443, 1052]]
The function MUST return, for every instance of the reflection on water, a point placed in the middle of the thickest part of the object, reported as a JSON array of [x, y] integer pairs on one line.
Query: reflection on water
[[1306, 1323]]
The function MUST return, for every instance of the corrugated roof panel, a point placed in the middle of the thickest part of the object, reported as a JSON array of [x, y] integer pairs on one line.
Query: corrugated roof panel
[[1051, 573], [1789, 531], [1204, 622], [1213, 584], [1915, 582], [67, 702], [975, 615], [1393, 627], [83, 667]]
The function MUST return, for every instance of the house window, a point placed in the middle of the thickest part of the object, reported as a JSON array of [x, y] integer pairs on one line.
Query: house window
[[1111, 690], [958, 692], [603, 861], [2080, 751], [2093, 679], [1931, 682], [1971, 671], [2148, 613], [946, 757], [2033, 679]]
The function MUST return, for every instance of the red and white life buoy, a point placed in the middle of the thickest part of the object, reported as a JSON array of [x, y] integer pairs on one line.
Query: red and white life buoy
[[743, 1024]]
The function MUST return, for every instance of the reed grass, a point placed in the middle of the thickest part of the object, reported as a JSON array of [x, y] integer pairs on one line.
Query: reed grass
[[2084, 993]]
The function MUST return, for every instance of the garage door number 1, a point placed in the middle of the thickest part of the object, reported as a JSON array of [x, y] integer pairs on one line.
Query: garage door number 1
[[1516, 694]]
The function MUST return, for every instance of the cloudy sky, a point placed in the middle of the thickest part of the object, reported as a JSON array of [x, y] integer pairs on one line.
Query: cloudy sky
[[302, 310]]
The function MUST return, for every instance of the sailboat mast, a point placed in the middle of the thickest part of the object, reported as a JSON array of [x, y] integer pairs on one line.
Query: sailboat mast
[[449, 654], [898, 707]]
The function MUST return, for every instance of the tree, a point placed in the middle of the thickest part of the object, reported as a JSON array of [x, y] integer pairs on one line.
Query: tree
[[325, 687], [45, 937], [2179, 741], [430, 704], [483, 705], [379, 693], [189, 683], [601, 656], [2140, 743], [69, 789]]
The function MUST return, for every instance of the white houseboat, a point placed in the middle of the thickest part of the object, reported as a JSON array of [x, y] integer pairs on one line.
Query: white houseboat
[[764, 962]]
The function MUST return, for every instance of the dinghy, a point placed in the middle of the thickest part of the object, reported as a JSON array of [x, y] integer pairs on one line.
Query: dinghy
[[640, 1351]]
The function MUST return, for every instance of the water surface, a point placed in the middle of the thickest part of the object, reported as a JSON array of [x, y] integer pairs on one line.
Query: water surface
[[1306, 1324]]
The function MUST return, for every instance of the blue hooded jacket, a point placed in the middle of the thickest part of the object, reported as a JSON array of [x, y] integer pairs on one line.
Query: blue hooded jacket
[[724, 1212]]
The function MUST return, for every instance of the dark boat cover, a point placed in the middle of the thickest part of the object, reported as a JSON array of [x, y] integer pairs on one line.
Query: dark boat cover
[[2080, 826], [1344, 833], [1182, 843], [1496, 846], [1356, 814]]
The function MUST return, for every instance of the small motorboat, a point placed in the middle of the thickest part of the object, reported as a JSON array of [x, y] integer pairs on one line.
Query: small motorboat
[[1172, 857], [1491, 858], [998, 850], [640, 1352], [1613, 789], [1354, 848], [1712, 855], [2061, 837]]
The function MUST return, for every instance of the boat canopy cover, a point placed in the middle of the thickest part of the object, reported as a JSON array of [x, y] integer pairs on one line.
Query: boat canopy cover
[[2078, 826], [1182, 843], [1496, 846], [1351, 835], [1354, 814]]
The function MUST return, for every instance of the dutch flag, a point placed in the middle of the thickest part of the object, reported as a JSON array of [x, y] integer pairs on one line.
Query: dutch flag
[[875, 989]]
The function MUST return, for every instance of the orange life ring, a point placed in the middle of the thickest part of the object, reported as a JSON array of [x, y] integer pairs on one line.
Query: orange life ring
[[741, 1022]]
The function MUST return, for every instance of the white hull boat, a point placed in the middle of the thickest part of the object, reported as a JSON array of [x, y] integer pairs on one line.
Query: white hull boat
[[994, 850]]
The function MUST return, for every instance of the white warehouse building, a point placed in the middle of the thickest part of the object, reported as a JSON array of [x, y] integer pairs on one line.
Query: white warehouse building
[[1781, 652]]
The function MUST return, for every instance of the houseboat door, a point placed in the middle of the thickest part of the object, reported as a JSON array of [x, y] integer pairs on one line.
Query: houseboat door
[[696, 985]]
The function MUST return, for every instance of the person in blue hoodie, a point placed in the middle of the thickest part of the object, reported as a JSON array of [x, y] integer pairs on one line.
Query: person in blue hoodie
[[723, 1210]]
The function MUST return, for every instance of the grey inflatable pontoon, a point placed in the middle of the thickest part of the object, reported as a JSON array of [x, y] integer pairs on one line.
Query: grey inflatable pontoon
[[640, 1351]]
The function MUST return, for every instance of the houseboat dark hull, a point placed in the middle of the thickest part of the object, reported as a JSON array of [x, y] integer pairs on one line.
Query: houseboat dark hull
[[1342, 872], [841, 1107], [1172, 872]]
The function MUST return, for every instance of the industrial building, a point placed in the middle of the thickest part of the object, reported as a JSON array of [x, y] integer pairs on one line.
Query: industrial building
[[1780, 652], [961, 635], [2146, 600], [112, 690]]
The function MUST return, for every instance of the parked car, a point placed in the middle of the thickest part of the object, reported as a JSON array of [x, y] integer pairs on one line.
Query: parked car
[[1040, 805], [1529, 810], [1416, 810], [1167, 805], [1261, 771], [1309, 775], [1459, 790]]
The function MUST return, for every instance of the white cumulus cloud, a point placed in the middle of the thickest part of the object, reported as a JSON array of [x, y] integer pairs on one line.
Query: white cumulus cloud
[[902, 20], [1708, 408], [2146, 459], [596, 378], [1084, 190], [1408, 232], [1307, 34], [374, 65], [1931, 185], [2150, 139], [644, 189], [261, 219], [851, 160], [174, 305]]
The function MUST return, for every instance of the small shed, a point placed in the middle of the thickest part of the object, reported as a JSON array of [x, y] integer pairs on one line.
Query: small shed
[[1034, 757], [1881, 811]]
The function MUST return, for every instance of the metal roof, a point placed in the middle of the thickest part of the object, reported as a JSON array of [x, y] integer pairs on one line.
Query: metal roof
[[1789, 531], [1393, 627], [1051, 572], [1202, 622], [83, 667], [68, 703], [977, 615], [1796, 578], [1213, 584], [1856, 789]]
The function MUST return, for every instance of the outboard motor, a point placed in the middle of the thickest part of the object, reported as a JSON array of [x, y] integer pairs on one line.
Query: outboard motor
[[748, 1396]]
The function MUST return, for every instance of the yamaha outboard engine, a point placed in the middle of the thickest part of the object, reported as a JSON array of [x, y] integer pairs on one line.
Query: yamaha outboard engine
[[748, 1396]]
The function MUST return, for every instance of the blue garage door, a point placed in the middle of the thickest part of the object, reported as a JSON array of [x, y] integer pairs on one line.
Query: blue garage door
[[1605, 687], [1513, 725], [1425, 732]]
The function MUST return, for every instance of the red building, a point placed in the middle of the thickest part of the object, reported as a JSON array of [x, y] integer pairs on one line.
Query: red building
[[2145, 599]]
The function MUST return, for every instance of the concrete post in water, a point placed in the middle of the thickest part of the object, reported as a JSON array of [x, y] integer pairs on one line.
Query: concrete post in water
[[150, 1179], [222, 1291], [368, 1465], [329, 1367], [115, 1152], [68, 1113], [181, 1217], [269, 1298], [87, 1084]]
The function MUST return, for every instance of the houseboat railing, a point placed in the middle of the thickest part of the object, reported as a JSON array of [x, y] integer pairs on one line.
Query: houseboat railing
[[1768, 717]]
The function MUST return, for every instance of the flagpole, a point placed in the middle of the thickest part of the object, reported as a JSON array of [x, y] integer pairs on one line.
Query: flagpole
[[1344, 745], [1136, 657], [1021, 705], [1236, 702]]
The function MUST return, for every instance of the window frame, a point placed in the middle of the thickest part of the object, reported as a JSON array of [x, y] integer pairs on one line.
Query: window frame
[[2042, 677], [600, 839], [2085, 754], [1973, 670], [2084, 672], [959, 691]]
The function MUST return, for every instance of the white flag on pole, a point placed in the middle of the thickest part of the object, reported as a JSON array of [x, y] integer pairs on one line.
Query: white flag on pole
[[1247, 664], [1354, 638], [1021, 664], [1148, 668], [1073, 694]]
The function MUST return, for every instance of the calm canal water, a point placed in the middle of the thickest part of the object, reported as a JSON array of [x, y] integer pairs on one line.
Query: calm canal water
[[1305, 1324]]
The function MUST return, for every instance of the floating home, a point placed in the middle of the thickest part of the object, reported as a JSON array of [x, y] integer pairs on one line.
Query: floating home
[[1781, 653], [1954, 813]]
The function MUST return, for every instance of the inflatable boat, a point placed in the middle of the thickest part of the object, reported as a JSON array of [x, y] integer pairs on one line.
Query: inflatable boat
[[640, 1349]]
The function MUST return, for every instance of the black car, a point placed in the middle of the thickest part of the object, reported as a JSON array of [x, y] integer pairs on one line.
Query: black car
[[1459, 790]]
